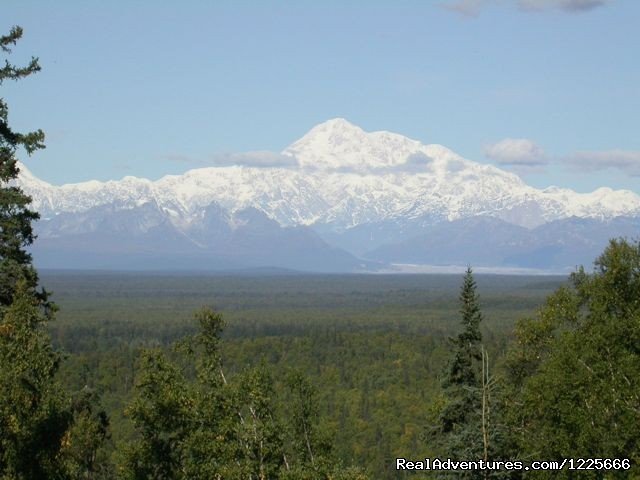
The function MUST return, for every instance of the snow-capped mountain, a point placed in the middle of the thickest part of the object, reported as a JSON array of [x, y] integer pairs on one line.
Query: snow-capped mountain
[[359, 190]]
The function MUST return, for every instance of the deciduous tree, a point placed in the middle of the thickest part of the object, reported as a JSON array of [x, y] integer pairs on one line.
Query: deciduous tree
[[34, 411], [575, 367]]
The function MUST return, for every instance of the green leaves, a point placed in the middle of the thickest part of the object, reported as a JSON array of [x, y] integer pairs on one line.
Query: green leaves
[[575, 368], [161, 411], [82, 444], [214, 427], [34, 412]]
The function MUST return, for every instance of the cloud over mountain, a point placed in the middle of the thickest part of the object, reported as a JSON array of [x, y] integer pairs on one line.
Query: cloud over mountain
[[623, 160], [256, 159], [570, 6], [516, 152], [472, 8], [416, 162]]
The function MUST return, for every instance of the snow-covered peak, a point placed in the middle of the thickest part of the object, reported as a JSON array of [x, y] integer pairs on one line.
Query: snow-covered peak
[[336, 124], [339, 145], [28, 178], [346, 177]]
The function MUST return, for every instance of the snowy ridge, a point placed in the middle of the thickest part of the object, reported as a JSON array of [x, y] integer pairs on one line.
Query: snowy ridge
[[345, 177]]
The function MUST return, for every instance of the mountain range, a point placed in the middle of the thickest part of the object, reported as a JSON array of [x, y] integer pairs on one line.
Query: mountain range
[[339, 199]]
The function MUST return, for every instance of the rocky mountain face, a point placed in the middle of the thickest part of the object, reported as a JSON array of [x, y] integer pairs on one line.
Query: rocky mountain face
[[335, 197]]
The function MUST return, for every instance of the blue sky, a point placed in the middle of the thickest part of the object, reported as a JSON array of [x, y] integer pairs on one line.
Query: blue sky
[[548, 88]]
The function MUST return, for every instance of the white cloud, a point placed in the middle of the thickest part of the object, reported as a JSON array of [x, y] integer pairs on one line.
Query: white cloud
[[571, 6], [517, 152], [467, 8], [628, 161], [455, 165], [257, 159], [526, 156], [472, 8], [415, 163]]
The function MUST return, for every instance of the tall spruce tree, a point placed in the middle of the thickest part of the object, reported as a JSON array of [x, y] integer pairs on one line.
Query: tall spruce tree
[[465, 367], [35, 413], [459, 429], [16, 231]]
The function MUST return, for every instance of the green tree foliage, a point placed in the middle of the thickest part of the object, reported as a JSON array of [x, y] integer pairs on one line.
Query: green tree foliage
[[42, 434], [82, 446], [215, 446], [371, 347], [260, 433], [467, 425], [161, 412], [303, 410], [219, 429], [310, 446], [459, 423], [574, 369], [16, 232], [465, 367], [34, 412]]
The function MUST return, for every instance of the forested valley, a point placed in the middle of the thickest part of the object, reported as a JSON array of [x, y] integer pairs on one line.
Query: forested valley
[[373, 348], [374, 363]]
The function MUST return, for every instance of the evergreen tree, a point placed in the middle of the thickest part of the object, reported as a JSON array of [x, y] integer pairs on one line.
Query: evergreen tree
[[16, 232], [464, 369], [459, 429], [34, 412], [463, 375]]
